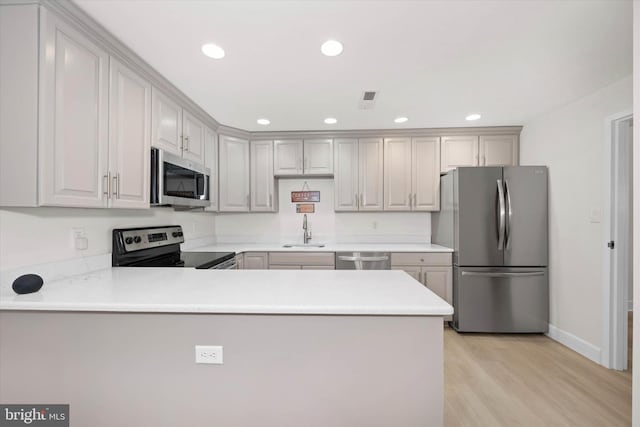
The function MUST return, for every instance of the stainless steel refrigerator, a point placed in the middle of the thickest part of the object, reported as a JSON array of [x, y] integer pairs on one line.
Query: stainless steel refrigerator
[[495, 219]]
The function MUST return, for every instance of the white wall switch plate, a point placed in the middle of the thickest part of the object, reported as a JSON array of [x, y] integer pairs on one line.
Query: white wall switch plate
[[211, 354]]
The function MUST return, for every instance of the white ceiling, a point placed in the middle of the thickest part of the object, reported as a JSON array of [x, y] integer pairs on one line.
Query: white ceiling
[[432, 61]]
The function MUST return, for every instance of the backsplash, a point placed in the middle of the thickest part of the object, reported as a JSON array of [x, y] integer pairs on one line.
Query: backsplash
[[326, 225], [32, 236]]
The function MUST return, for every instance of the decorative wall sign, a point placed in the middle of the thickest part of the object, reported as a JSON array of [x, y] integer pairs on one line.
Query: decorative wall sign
[[305, 196], [305, 208]]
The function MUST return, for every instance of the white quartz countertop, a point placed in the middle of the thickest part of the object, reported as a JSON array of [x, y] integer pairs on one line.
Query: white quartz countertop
[[187, 290], [329, 247]]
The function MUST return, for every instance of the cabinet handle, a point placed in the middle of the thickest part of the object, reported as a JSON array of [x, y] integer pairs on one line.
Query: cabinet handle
[[361, 199], [118, 185], [420, 276], [114, 186], [186, 140], [107, 186], [410, 200], [270, 200], [415, 200]]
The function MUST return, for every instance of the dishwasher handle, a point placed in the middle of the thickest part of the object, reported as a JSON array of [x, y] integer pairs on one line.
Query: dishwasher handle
[[363, 258]]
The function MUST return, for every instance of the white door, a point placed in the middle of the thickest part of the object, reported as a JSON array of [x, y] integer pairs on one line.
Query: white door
[[129, 137], [193, 143], [398, 195], [370, 171], [233, 174], [318, 156], [498, 150], [345, 183], [262, 179], [166, 123], [425, 173], [458, 151], [74, 113], [287, 157], [211, 161]]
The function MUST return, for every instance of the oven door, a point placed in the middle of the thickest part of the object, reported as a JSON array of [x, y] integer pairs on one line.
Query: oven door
[[179, 182]]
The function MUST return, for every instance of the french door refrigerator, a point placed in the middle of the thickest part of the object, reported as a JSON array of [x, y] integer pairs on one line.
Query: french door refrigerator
[[495, 219]]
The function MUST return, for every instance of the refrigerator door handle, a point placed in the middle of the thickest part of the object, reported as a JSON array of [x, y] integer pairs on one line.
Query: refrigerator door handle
[[501, 215], [507, 239], [497, 274]]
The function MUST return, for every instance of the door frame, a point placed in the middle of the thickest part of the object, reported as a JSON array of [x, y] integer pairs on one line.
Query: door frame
[[615, 291]]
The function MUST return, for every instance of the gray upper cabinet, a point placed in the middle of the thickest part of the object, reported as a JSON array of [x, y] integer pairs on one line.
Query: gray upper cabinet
[[297, 157], [485, 150], [233, 175], [263, 197], [411, 174], [74, 117], [129, 137], [358, 174], [176, 130], [498, 150]]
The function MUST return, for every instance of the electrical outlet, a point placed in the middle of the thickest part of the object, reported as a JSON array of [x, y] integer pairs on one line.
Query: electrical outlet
[[211, 354], [79, 239]]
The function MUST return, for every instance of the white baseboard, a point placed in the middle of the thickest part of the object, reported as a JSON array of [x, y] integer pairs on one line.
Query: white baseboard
[[576, 344]]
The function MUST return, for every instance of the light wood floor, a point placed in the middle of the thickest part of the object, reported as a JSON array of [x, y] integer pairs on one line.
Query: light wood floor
[[529, 380]]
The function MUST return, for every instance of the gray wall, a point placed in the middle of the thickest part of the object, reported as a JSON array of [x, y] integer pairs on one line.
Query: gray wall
[[126, 369]]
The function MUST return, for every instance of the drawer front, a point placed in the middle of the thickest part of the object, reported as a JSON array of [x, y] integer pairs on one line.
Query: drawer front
[[302, 258], [421, 258]]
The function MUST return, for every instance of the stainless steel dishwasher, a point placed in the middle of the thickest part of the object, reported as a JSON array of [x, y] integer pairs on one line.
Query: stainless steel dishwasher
[[363, 261]]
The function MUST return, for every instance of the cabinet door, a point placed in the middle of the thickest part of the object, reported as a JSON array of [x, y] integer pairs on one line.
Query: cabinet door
[[256, 261], [129, 137], [211, 161], [458, 151], [233, 174], [318, 156], [370, 171], [345, 183], [193, 143], [425, 173], [439, 280], [499, 150], [287, 158], [74, 115], [262, 179], [166, 123], [412, 270], [397, 174]]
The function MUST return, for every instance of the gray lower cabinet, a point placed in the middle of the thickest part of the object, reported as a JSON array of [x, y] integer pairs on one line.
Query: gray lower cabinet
[[302, 260], [433, 270], [256, 261]]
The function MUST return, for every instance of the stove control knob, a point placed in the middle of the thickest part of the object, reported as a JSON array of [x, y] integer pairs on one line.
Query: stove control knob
[[175, 234], [128, 240], [137, 239], [180, 234]]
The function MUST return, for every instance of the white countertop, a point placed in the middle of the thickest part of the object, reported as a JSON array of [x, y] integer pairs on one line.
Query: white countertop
[[329, 247], [187, 290]]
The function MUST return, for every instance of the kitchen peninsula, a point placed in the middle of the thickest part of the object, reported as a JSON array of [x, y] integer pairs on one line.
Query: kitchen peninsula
[[335, 347]]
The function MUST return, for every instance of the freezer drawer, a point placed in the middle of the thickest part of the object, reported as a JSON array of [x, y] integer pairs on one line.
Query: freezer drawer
[[500, 300]]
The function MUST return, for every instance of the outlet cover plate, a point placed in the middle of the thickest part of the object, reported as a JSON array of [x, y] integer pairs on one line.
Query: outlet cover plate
[[209, 354]]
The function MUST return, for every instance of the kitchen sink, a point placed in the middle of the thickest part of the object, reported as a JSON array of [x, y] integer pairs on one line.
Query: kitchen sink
[[302, 245]]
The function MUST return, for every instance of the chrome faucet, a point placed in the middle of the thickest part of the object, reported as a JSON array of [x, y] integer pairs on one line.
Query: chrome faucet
[[305, 227]]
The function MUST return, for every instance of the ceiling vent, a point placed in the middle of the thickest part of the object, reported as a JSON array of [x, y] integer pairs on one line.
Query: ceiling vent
[[368, 99]]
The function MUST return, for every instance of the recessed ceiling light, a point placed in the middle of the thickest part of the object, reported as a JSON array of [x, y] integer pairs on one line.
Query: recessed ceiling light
[[331, 48], [330, 121], [401, 119], [473, 117], [263, 122], [213, 51]]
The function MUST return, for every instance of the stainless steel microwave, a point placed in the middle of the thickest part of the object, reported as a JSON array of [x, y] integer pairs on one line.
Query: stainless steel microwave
[[177, 181]]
